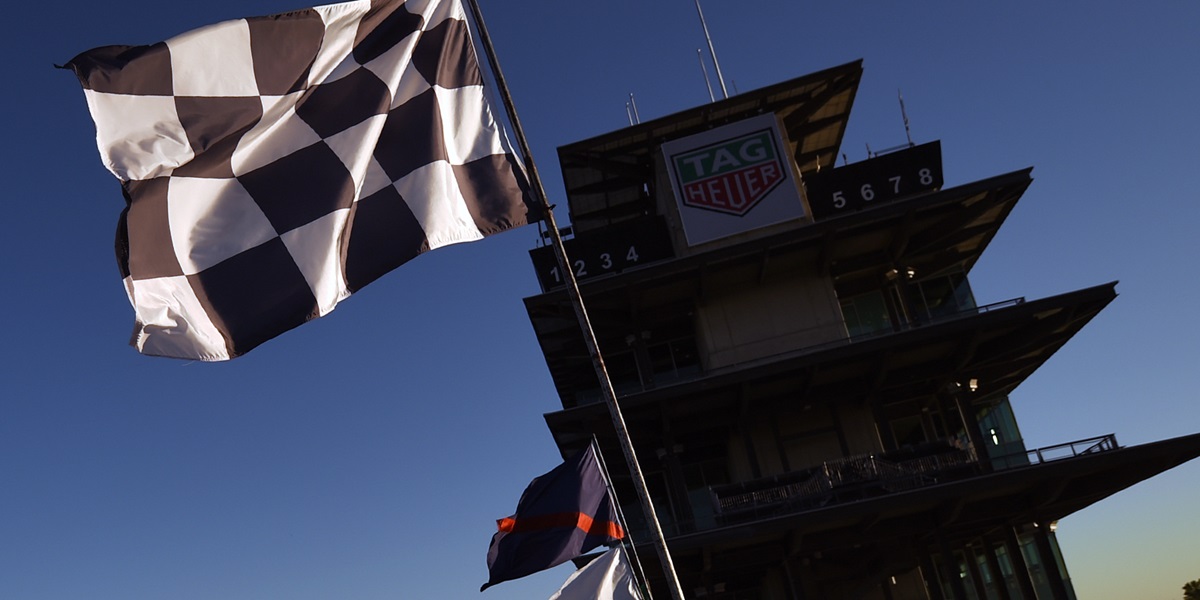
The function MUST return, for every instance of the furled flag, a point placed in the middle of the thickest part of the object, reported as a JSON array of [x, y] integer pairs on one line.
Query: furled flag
[[607, 577], [271, 166], [561, 515]]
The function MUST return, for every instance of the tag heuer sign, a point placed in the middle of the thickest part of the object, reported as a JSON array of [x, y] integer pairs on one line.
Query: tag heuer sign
[[732, 179]]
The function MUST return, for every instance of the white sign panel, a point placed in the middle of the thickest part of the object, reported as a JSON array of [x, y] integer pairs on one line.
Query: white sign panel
[[733, 179]]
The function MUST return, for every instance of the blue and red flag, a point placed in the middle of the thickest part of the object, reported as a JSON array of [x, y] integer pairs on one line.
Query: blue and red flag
[[561, 515]]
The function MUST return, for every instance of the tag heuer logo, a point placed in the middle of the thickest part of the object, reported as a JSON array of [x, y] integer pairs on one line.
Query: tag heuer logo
[[730, 176]]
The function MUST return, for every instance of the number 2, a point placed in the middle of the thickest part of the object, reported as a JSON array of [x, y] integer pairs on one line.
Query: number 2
[[580, 271]]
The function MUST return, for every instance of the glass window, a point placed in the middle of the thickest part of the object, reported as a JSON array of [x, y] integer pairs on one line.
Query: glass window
[[1004, 444], [962, 291], [945, 295], [698, 477], [909, 431], [674, 360], [866, 313], [623, 369]]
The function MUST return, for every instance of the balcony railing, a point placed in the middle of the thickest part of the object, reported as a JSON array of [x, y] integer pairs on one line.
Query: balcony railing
[[939, 318], [868, 476], [844, 480], [1102, 443]]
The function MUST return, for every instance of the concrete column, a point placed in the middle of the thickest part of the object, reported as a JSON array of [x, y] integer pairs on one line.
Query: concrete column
[[1020, 569], [975, 571], [952, 572], [795, 588], [885, 586], [989, 553], [1050, 562], [685, 519], [883, 427], [933, 583]]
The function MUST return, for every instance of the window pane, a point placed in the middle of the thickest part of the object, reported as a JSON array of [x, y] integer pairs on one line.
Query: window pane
[[866, 313]]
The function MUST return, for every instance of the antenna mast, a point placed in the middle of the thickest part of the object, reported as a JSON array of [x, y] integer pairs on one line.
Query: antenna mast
[[712, 51], [704, 69], [904, 114]]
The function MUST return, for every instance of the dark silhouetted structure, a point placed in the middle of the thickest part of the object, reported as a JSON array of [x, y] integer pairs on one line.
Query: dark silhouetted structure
[[819, 403]]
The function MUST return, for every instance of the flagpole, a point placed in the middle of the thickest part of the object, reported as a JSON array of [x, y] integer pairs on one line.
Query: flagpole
[[639, 574], [589, 335]]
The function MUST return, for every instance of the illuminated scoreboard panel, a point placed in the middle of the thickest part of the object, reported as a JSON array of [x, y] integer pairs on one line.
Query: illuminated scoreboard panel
[[875, 181]]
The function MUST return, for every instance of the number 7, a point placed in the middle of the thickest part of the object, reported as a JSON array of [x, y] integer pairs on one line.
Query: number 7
[[895, 184]]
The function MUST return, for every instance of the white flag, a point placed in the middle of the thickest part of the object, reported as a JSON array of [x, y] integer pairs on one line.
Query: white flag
[[607, 577]]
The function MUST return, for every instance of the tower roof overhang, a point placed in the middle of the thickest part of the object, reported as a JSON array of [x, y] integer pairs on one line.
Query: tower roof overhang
[[966, 509], [871, 538], [998, 346]]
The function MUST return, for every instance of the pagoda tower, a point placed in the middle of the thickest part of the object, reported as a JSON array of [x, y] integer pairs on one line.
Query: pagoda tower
[[819, 401]]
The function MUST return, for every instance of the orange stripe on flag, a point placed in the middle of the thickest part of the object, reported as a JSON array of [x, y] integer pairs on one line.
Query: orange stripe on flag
[[578, 520]]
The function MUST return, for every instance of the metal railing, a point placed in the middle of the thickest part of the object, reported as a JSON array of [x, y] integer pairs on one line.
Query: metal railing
[[1102, 443], [846, 479], [871, 475], [940, 318]]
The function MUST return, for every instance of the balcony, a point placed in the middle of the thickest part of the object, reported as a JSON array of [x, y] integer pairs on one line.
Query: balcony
[[1102, 443], [844, 480], [858, 478]]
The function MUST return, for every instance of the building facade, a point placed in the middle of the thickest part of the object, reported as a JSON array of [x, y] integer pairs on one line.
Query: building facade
[[819, 401]]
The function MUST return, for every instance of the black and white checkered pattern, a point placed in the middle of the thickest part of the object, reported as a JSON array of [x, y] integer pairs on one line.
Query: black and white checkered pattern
[[274, 165]]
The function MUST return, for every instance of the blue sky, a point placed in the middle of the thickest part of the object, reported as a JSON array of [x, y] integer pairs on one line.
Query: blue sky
[[367, 454]]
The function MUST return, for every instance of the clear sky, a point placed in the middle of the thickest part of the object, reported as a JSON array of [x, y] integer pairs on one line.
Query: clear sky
[[367, 454]]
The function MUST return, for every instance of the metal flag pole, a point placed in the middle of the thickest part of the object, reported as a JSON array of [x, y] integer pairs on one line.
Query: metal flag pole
[[639, 573], [589, 335]]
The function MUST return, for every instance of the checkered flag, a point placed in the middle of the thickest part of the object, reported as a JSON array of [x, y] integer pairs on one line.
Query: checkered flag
[[272, 166]]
